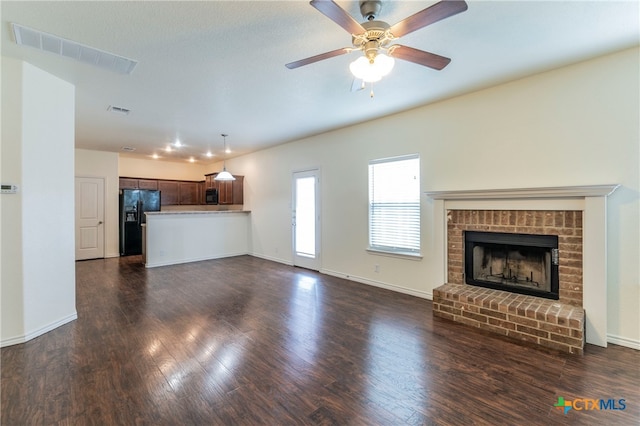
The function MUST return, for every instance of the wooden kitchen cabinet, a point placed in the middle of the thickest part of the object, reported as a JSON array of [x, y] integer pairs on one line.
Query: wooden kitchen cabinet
[[135, 183], [188, 192], [201, 192], [229, 192], [147, 183], [128, 183], [169, 192], [225, 193], [238, 190], [173, 192]]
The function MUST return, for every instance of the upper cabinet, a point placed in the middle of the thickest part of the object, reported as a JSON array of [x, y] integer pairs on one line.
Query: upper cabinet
[[189, 193], [128, 183], [147, 183], [180, 192], [169, 192], [230, 191]]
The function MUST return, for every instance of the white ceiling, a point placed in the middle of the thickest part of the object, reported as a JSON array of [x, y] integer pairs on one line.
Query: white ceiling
[[213, 67]]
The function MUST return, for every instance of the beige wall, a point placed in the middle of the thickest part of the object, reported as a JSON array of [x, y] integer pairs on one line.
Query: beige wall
[[578, 125], [103, 165], [148, 168]]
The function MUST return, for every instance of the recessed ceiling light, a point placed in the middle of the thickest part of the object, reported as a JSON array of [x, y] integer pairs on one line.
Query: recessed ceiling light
[[209, 154], [168, 148], [177, 143], [192, 160], [155, 156]]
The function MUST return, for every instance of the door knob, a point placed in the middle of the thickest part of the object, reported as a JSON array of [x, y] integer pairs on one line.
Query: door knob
[[100, 223]]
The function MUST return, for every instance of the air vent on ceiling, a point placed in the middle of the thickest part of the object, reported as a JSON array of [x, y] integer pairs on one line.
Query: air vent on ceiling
[[71, 49], [127, 149], [118, 110]]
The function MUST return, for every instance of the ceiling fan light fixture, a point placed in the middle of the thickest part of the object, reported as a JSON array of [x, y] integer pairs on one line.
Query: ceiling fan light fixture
[[371, 71]]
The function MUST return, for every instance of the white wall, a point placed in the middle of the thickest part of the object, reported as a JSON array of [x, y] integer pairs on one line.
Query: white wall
[[103, 165], [40, 285], [190, 237], [11, 291], [578, 125]]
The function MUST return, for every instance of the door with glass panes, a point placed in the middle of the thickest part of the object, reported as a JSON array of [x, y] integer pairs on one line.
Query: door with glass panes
[[306, 219]]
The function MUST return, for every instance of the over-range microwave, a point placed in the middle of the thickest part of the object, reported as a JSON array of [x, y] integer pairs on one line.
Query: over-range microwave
[[211, 196]]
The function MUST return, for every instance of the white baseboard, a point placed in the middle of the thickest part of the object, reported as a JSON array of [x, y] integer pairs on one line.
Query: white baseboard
[[273, 259], [193, 259], [399, 289], [39, 332], [623, 341]]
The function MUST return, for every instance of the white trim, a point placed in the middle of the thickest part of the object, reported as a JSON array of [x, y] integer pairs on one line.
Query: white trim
[[192, 259], [589, 199], [272, 259], [39, 332], [623, 341], [397, 254], [520, 193], [399, 289]]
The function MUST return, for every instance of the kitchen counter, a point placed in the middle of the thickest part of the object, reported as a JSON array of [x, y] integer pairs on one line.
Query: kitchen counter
[[169, 212], [174, 237]]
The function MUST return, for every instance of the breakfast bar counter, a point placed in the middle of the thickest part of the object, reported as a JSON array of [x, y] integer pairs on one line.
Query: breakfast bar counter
[[173, 237]]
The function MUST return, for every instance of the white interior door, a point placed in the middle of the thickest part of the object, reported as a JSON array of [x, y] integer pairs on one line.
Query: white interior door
[[306, 219], [89, 218]]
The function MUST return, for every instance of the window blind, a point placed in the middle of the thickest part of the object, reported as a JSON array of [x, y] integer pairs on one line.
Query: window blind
[[394, 204]]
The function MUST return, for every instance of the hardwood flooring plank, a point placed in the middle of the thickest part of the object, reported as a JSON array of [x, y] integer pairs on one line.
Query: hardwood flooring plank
[[246, 341]]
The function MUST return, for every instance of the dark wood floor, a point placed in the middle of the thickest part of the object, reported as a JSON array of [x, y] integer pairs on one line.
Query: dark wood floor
[[247, 341]]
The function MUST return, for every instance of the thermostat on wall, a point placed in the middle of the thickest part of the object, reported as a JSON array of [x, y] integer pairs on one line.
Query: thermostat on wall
[[8, 188]]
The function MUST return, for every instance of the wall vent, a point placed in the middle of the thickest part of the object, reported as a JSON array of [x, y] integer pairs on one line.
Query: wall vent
[[71, 49], [127, 149]]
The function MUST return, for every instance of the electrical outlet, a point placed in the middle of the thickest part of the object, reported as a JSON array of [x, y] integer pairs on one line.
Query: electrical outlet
[[376, 268]]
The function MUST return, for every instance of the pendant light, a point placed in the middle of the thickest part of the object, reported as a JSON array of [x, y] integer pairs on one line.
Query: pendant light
[[224, 175]]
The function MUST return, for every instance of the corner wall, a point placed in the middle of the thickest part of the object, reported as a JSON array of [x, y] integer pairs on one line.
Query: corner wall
[[38, 279]]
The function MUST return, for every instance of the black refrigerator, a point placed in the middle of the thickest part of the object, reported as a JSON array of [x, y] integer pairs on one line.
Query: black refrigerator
[[133, 204]]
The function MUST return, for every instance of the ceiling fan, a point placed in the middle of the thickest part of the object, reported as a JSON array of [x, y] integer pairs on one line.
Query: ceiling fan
[[374, 37]]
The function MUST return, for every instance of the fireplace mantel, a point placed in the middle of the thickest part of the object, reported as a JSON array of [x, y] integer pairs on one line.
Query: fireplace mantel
[[591, 199], [525, 193]]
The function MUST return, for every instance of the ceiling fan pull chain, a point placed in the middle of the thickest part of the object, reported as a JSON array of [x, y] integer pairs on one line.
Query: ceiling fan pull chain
[[371, 94]]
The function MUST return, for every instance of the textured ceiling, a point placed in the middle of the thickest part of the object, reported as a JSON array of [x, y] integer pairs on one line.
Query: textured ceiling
[[213, 67]]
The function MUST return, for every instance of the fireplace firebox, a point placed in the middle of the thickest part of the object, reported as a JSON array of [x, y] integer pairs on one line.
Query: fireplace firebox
[[519, 263]]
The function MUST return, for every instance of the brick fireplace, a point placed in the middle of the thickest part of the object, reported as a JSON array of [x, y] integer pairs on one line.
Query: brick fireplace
[[566, 224], [557, 325], [575, 215]]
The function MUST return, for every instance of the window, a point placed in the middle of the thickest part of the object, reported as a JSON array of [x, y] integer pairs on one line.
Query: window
[[394, 205]]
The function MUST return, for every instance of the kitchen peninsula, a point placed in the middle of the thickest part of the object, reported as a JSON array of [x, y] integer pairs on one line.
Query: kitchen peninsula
[[173, 237]]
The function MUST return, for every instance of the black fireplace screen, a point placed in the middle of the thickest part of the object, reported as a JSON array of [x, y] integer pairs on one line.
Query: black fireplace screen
[[519, 263]]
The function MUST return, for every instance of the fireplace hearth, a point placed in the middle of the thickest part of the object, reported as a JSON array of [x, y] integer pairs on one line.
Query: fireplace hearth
[[518, 263]]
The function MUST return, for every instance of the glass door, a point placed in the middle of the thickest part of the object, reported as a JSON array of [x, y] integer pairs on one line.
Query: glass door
[[306, 219]]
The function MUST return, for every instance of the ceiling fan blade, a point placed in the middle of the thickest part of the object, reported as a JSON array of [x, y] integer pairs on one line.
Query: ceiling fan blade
[[338, 15], [417, 56], [320, 57], [428, 16]]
